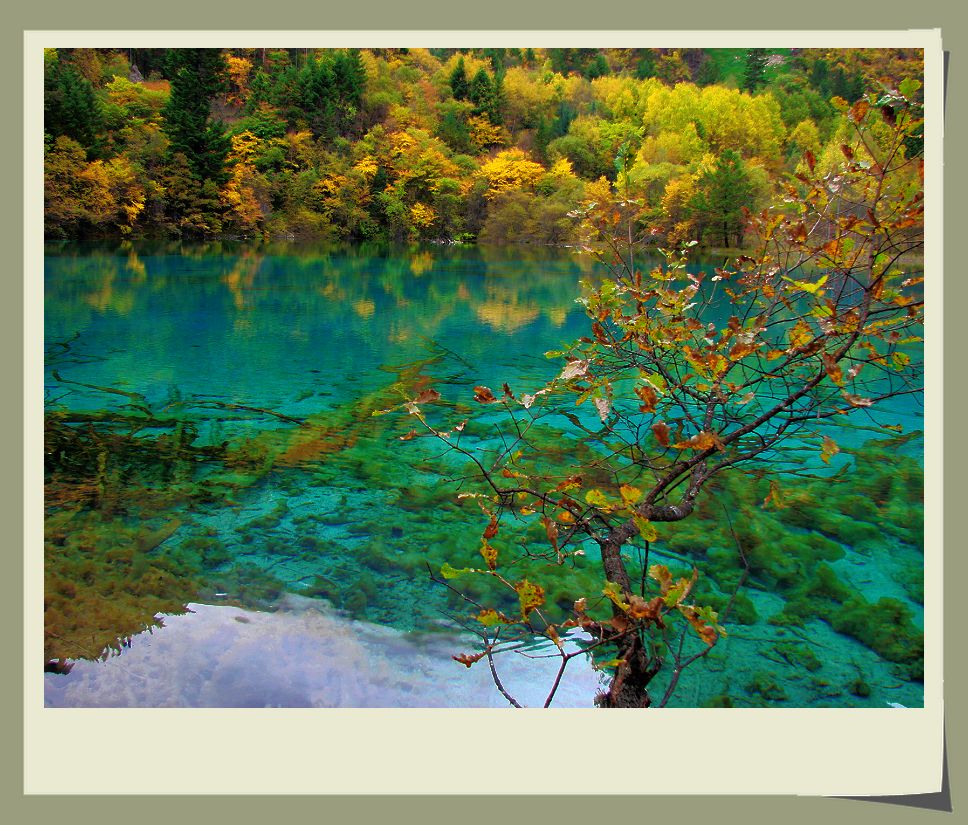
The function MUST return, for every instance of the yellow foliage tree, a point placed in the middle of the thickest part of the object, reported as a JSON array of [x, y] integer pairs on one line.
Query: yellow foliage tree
[[508, 171], [238, 69]]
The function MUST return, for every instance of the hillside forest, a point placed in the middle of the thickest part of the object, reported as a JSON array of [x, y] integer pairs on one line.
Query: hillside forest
[[444, 145]]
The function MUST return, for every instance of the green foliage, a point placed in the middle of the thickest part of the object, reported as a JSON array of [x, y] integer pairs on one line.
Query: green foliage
[[458, 80], [71, 108], [197, 75], [725, 191], [754, 73]]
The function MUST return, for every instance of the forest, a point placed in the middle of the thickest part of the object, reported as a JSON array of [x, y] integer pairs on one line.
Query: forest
[[409, 145]]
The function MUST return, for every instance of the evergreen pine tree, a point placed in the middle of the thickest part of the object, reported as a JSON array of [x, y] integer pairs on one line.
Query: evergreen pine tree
[[727, 190], [196, 76], [754, 75], [71, 107], [708, 72], [645, 68], [483, 95], [458, 80]]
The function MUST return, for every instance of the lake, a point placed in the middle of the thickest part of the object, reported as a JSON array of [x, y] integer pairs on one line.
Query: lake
[[228, 522]]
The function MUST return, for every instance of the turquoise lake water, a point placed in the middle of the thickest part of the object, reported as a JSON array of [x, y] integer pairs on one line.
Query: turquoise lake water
[[338, 518]]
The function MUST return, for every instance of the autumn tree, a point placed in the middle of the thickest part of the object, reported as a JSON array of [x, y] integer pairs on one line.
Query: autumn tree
[[688, 377]]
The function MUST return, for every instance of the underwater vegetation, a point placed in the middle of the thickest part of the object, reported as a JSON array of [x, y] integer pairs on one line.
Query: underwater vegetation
[[144, 514]]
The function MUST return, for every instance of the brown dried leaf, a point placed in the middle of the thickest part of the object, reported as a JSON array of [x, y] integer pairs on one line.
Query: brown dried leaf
[[857, 401], [551, 529], [483, 395], [639, 608], [829, 449], [570, 483], [833, 370], [427, 397]]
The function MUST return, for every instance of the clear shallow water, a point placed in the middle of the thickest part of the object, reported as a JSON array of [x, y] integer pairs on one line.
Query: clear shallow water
[[234, 338]]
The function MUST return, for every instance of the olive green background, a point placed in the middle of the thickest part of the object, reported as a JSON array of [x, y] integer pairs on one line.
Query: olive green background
[[538, 15]]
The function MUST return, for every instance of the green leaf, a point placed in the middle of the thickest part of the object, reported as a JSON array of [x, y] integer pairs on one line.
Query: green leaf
[[597, 499], [449, 572], [630, 494], [807, 286], [645, 527], [909, 87]]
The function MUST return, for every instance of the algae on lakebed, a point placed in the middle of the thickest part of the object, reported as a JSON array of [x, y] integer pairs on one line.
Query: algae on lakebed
[[340, 509]]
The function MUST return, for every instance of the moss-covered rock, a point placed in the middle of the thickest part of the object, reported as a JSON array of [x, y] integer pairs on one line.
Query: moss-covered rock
[[885, 626]]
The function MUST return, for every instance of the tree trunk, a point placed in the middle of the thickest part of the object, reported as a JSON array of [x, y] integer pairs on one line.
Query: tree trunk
[[630, 685]]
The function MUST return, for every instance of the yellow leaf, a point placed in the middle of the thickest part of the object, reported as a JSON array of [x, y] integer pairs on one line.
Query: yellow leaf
[[645, 527], [530, 595], [800, 335], [829, 449], [489, 552], [614, 594], [630, 495]]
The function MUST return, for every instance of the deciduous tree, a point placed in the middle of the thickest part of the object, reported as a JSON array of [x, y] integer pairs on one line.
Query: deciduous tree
[[688, 377]]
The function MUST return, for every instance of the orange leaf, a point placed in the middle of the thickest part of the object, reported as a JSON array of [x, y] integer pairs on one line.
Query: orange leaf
[[551, 529], [491, 530], [648, 396], [833, 369], [859, 110], [661, 432], [706, 632], [467, 660], [800, 334], [700, 441]]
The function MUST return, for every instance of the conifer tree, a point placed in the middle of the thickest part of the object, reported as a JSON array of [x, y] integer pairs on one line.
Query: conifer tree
[[754, 75], [458, 80], [70, 105], [196, 76]]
